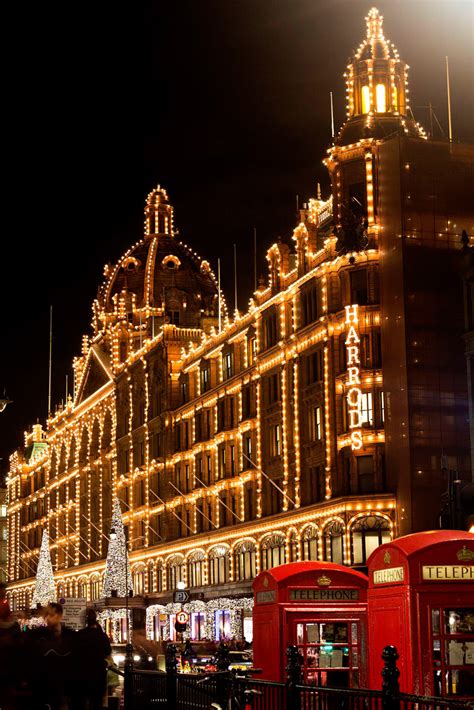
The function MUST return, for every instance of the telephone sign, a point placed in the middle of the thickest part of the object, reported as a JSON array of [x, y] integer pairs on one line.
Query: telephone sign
[[182, 617]]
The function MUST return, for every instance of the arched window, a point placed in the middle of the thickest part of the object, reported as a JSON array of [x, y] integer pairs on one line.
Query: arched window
[[366, 535], [310, 543], [95, 588], [333, 543], [196, 569], [380, 100], [82, 588], [293, 546], [175, 570], [219, 565], [365, 96], [273, 551], [138, 579], [245, 562]]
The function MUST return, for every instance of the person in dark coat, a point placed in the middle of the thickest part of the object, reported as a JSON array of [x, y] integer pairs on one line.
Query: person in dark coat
[[93, 647], [50, 661], [10, 643]]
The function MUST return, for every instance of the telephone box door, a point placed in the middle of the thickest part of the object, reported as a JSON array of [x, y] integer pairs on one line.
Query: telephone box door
[[331, 646], [448, 637]]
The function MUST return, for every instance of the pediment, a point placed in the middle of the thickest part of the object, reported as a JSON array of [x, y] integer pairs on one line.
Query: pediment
[[97, 373]]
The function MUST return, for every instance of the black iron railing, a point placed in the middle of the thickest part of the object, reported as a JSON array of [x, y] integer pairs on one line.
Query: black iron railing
[[222, 690]]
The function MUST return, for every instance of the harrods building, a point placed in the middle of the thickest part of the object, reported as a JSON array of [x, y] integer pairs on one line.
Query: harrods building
[[311, 427]]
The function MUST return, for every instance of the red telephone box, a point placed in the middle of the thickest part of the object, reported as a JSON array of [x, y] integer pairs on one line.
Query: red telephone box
[[320, 607], [421, 600]]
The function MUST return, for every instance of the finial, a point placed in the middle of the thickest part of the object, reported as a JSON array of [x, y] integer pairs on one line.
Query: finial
[[318, 193], [374, 24]]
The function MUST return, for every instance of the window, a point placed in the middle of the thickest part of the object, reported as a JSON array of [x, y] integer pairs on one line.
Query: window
[[270, 328], [228, 364], [366, 408], [359, 293], [380, 98], [173, 317], [223, 509], [273, 551], [196, 569], [175, 571], [365, 99], [232, 458], [221, 460], [247, 401], [245, 560], [198, 626], [220, 414], [275, 440], [219, 565], [184, 389], [205, 378], [366, 474], [251, 350], [315, 424], [247, 450], [273, 394], [309, 305], [333, 546], [367, 534], [310, 543], [313, 485], [198, 428], [314, 367], [382, 407]]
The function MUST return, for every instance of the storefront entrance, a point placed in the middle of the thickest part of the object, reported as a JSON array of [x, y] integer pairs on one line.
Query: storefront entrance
[[330, 651]]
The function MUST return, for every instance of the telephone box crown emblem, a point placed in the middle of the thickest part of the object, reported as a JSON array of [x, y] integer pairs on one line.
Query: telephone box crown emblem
[[386, 558], [324, 581], [265, 582], [465, 555]]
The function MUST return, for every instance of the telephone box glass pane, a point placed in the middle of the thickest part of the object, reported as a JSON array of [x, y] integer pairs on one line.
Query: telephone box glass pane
[[435, 621], [312, 633], [459, 621], [299, 633], [460, 682]]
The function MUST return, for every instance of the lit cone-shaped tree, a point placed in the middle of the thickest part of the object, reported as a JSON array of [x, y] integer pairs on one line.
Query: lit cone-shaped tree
[[45, 591], [117, 577]]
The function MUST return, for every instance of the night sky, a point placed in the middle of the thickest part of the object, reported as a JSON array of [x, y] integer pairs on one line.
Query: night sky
[[223, 102]]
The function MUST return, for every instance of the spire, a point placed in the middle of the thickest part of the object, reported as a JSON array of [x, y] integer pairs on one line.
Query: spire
[[374, 22]]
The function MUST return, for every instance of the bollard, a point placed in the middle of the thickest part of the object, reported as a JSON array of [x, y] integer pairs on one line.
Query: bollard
[[390, 675], [128, 677], [171, 676]]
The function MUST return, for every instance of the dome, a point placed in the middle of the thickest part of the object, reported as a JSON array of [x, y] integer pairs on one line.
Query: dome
[[159, 277]]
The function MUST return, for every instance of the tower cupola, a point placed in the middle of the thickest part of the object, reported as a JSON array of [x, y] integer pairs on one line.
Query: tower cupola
[[158, 214], [376, 88]]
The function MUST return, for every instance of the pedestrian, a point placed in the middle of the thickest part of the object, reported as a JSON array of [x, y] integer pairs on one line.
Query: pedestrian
[[50, 652], [93, 648], [10, 641]]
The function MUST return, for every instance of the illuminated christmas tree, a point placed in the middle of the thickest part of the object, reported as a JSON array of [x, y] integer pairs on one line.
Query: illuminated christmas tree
[[45, 591], [118, 575]]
